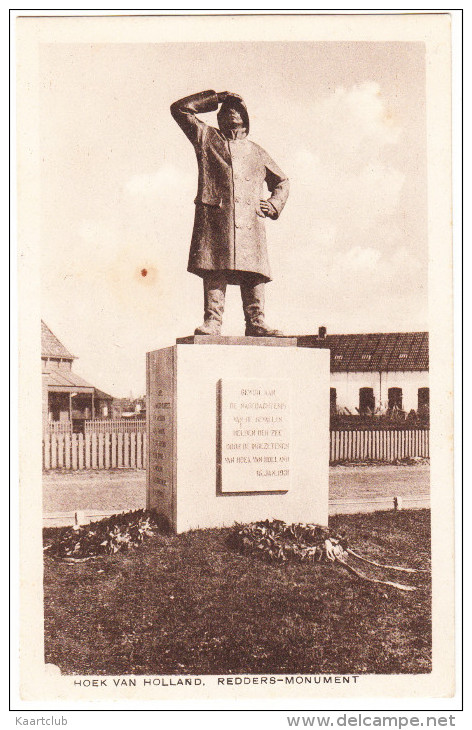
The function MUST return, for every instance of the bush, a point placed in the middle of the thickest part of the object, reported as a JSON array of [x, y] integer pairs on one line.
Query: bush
[[388, 420]]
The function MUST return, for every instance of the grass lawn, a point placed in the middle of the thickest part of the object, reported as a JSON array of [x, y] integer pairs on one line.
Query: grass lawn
[[187, 604]]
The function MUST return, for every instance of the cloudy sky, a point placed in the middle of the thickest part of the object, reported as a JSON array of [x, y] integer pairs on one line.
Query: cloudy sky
[[345, 121]]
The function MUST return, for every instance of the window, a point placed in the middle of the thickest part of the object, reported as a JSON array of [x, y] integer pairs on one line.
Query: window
[[366, 401], [423, 399], [395, 398], [332, 400], [58, 406]]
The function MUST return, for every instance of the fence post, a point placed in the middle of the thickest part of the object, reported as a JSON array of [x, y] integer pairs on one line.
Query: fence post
[[88, 445], [53, 451], [120, 449], [74, 451], [107, 450], [81, 449], [397, 503], [47, 452], [133, 450], [67, 442], [60, 451], [79, 518], [139, 455], [113, 451], [126, 450], [94, 450], [100, 445]]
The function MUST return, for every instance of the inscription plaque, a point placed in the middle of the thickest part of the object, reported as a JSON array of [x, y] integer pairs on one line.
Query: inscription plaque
[[255, 435], [160, 457]]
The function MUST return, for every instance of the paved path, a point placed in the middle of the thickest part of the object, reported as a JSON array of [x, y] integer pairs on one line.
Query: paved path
[[369, 488], [351, 489]]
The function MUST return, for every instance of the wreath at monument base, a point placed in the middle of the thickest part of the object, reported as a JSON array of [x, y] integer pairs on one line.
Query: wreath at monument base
[[275, 541], [118, 533]]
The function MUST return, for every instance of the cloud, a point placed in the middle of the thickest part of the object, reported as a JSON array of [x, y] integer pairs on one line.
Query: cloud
[[343, 185], [355, 120], [166, 179], [360, 259]]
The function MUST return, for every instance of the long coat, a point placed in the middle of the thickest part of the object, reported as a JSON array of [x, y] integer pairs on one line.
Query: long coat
[[229, 229]]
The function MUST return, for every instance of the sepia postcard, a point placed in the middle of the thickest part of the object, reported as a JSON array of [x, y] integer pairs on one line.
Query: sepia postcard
[[235, 357]]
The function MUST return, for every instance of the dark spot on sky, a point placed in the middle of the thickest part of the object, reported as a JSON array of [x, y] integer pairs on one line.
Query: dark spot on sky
[[143, 272]]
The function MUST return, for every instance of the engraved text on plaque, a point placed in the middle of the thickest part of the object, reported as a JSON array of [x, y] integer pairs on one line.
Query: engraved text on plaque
[[255, 435]]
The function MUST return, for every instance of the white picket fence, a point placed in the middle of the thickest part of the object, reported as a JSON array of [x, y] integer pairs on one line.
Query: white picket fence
[[381, 445], [128, 450], [115, 425], [95, 451]]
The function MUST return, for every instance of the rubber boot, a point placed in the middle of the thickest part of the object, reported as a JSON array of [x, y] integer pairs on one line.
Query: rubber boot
[[214, 290], [253, 306]]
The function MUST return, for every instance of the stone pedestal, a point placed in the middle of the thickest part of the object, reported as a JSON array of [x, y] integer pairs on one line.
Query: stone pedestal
[[238, 430]]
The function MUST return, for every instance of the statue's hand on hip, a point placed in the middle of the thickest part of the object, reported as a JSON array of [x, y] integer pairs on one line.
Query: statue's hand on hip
[[268, 209]]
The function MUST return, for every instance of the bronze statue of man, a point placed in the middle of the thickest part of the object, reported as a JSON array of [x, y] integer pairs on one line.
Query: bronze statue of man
[[228, 242]]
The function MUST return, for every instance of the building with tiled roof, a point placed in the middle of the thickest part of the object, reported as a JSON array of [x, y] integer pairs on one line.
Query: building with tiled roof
[[68, 399], [51, 348], [376, 372]]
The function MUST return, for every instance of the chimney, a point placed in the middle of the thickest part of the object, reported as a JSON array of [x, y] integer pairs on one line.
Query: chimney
[[321, 333]]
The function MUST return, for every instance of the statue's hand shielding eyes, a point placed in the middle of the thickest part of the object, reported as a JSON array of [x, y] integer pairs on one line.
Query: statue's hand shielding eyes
[[223, 94]]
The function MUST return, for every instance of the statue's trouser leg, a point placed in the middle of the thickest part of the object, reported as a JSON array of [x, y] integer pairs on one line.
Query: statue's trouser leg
[[253, 298], [214, 290]]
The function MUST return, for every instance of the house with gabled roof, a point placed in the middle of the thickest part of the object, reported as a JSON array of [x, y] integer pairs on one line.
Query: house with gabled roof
[[68, 399], [376, 372]]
